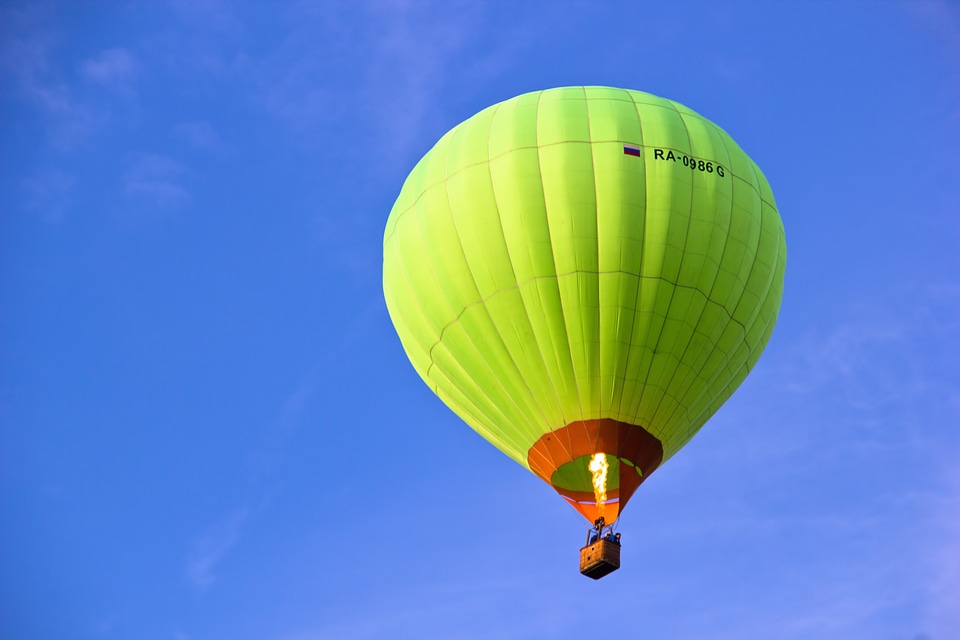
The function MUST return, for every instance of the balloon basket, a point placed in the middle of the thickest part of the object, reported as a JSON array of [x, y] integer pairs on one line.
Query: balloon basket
[[600, 558]]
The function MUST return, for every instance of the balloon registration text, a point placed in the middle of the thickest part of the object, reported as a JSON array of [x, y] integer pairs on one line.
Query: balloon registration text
[[696, 164]]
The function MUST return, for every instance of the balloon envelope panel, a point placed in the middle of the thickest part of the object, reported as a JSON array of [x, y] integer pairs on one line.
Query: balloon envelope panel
[[598, 264]]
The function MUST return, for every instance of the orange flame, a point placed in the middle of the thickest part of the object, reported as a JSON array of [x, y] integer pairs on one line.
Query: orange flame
[[598, 469]]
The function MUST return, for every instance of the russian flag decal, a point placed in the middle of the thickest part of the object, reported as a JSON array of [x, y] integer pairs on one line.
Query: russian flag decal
[[631, 150]]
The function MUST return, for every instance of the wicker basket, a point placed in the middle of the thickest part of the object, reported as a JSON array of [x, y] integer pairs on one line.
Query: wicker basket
[[600, 558]]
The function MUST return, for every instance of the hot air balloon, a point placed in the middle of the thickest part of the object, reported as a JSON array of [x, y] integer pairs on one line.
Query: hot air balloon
[[584, 275]]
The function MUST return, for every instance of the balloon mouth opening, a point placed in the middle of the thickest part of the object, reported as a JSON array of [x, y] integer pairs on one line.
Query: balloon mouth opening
[[596, 465], [580, 493]]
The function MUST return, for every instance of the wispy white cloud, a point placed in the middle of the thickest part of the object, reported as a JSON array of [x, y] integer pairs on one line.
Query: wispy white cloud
[[866, 559], [50, 194], [201, 135], [108, 625], [271, 451], [68, 95], [25, 57], [111, 68], [732, 69], [205, 40], [157, 180], [939, 550], [943, 18], [378, 70], [211, 546], [842, 359], [878, 357], [347, 241], [209, 15], [382, 67], [450, 609], [416, 54]]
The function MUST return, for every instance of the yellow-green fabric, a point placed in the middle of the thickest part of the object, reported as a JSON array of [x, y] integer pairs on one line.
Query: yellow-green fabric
[[583, 253]]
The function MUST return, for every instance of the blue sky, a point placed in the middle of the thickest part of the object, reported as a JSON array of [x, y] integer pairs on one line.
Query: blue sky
[[208, 428]]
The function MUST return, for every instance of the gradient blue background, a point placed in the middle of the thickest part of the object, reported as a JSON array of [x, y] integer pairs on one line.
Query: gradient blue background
[[208, 428]]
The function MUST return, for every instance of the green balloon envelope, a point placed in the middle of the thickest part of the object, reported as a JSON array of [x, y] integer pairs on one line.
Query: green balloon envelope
[[585, 270]]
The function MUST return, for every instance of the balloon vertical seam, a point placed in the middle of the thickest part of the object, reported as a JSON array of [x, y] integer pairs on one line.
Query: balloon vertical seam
[[707, 388], [491, 404], [680, 361], [559, 405], [640, 278], [644, 388], [493, 190], [565, 343], [457, 316], [595, 360]]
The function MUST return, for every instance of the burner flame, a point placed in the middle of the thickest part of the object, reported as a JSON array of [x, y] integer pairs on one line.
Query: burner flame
[[598, 469]]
